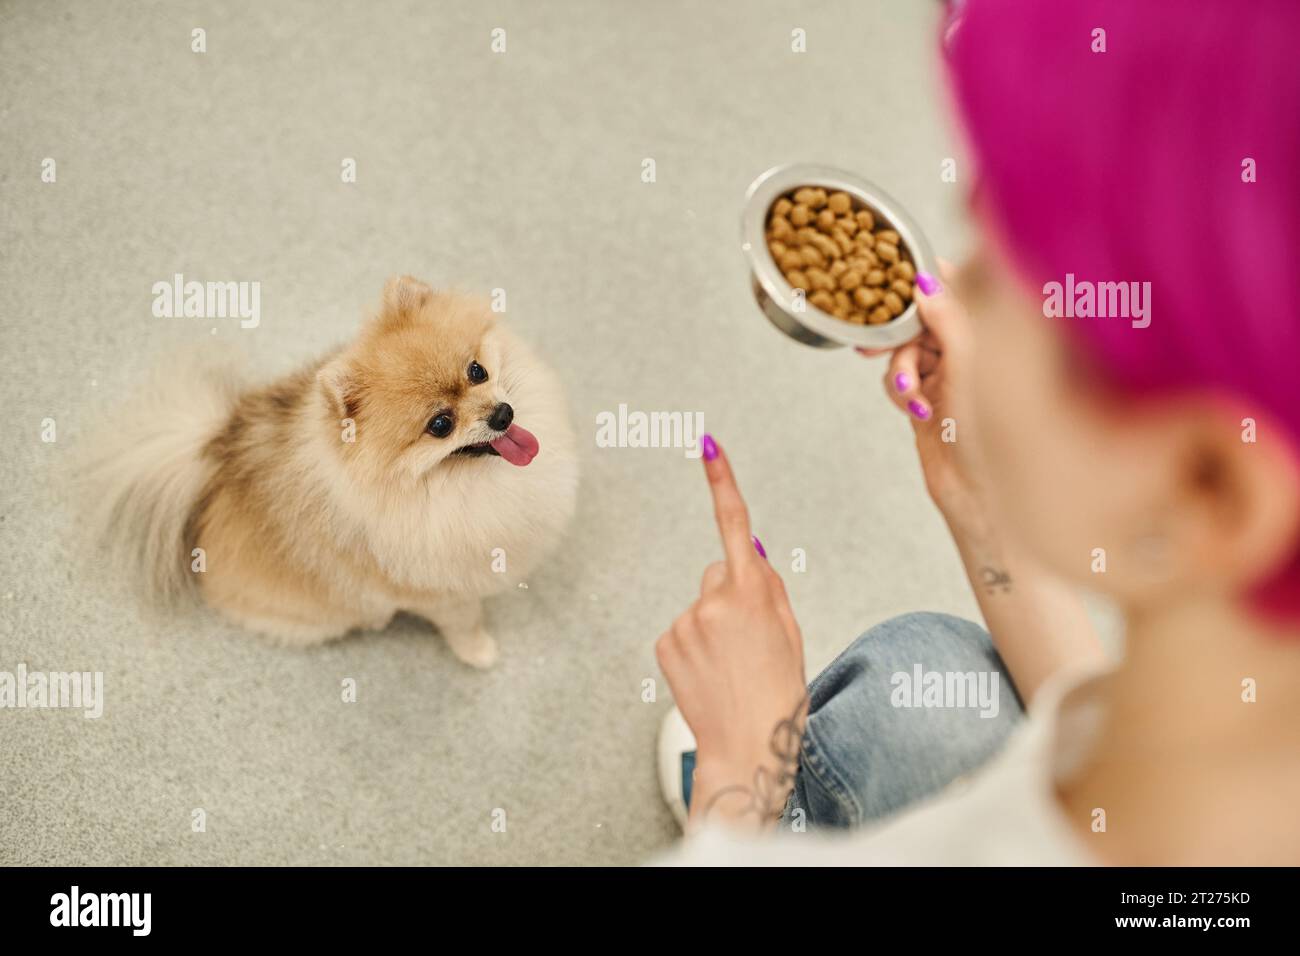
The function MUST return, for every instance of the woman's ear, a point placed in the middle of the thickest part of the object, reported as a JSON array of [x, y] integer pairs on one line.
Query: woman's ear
[[1237, 520]]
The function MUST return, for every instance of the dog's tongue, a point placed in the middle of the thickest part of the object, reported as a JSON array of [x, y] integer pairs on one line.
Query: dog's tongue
[[517, 445]]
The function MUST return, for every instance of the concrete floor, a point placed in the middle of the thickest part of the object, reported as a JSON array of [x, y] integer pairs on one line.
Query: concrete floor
[[521, 171]]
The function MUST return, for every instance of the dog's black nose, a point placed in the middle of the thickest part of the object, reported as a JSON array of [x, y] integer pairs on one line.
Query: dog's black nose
[[501, 418]]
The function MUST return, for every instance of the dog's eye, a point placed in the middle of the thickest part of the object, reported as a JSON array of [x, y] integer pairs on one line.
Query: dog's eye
[[477, 373], [440, 426]]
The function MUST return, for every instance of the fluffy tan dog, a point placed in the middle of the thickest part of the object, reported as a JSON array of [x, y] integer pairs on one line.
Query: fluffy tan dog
[[382, 478]]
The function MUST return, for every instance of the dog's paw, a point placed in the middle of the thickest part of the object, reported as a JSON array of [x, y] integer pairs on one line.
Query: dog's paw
[[477, 650]]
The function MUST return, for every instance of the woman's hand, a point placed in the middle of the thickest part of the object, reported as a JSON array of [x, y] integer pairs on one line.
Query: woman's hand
[[1038, 624], [926, 380], [734, 661]]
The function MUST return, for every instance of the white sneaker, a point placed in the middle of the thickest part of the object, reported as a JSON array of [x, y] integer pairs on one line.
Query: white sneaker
[[676, 764]]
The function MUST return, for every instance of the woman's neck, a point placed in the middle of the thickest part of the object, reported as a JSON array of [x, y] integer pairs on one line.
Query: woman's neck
[[1198, 757]]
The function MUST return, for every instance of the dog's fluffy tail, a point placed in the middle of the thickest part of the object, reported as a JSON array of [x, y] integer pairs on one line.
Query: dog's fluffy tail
[[142, 477]]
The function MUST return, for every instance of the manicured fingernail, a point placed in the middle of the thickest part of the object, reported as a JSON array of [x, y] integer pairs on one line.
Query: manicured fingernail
[[902, 382], [919, 410], [758, 546], [709, 447], [927, 283]]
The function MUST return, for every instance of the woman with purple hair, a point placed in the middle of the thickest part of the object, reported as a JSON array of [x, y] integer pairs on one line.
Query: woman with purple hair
[[1119, 364]]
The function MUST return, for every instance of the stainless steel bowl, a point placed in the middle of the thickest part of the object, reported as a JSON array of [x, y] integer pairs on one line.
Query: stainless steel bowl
[[776, 298]]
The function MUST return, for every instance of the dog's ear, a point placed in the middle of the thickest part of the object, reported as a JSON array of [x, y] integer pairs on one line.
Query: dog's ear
[[338, 384], [404, 297]]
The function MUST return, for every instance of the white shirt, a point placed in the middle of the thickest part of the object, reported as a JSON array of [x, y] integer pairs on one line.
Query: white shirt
[[1005, 814]]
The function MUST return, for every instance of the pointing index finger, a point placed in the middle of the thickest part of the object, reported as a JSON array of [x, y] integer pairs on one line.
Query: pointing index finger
[[728, 507]]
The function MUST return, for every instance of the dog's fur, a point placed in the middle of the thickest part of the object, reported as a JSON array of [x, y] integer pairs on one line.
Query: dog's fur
[[305, 534]]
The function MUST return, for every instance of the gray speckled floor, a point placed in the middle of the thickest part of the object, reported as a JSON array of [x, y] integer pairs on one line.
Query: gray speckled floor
[[519, 171]]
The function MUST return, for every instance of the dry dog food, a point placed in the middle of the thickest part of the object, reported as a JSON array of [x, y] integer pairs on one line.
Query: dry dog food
[[847, 264]]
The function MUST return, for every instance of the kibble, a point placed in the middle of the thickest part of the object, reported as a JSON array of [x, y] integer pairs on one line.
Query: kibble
[[902, 270], [866, 298], [827, 246], [830, 246], [820, 280]]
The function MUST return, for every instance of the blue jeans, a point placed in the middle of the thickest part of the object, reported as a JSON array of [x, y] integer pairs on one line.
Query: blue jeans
[[878, 739]]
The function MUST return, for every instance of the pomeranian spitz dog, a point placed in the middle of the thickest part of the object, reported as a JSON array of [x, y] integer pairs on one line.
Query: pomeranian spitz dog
[[383, 477]]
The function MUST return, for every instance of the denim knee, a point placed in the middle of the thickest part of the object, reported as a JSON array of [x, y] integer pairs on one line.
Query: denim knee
[[911, 705]]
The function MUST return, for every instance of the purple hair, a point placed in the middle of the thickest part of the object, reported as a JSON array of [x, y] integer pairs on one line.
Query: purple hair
[[1132, 164]]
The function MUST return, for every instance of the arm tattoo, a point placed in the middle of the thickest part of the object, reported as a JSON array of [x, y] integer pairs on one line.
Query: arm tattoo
[[995, 579], [764, 799]]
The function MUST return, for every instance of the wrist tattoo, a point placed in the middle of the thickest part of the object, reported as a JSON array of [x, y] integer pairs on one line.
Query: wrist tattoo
[[764, 798]]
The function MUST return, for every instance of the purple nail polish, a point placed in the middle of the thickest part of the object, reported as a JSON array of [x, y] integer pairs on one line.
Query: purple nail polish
[[758, 546], [919, 410], [927, 283], [902, 382], [709, 447]]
